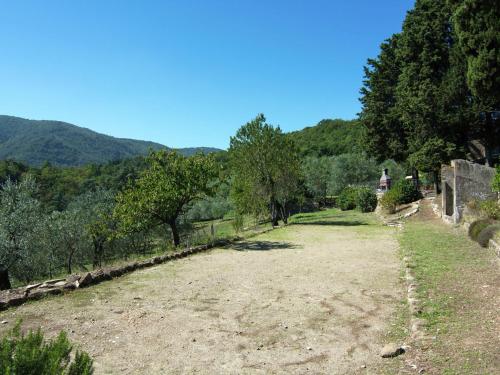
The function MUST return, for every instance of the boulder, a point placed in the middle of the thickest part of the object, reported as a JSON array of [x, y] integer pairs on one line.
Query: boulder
[[115, 272], [72, 278], [391, 350], [85, 280], [32, 286]]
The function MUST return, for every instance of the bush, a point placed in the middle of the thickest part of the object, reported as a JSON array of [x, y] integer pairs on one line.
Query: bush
[[490, 209], [477, 227], [366, 199], [347, 198], [487, 234], [405, 192], [237, 223], [31, 354], [388, 202]]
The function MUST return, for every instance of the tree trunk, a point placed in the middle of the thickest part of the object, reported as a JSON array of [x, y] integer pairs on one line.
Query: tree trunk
[[4, 280], [175, 233], [274, 214], [436, 182], [70, 262]]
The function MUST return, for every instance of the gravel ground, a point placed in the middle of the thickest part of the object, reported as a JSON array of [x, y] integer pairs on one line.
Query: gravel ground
[[313, 299]]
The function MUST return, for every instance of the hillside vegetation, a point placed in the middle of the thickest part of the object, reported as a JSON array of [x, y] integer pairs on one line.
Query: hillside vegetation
[[62, 144], [329, 138]]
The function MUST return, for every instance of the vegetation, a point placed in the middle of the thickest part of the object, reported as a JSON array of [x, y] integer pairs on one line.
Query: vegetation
[[63, 144], [329, 138], [456, 303], [265, 170], [30, 354], [347, 199], [366, 199], [164, 191], [423, 95], [490, 209], [402, 192]]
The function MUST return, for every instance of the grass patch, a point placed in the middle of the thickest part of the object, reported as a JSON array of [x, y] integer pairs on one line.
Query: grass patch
[[450, 270]]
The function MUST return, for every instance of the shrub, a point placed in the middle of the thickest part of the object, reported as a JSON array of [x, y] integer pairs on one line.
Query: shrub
[[487, 234], [347, 198], [366, 199], [405, 192], [477, 227], [238, 223], [490, 209], [31, 354], [389, 202]]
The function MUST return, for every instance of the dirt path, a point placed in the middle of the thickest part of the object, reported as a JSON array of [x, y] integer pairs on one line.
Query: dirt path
[[312, 298]]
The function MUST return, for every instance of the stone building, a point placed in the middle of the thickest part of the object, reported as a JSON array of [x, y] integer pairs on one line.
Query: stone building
[[462, 182]]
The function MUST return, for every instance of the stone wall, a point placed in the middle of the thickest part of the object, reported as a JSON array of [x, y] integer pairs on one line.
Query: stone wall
[[462, 182]]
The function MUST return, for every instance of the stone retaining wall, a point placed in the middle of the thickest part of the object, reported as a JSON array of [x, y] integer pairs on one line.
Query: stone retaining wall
[[16, 297]]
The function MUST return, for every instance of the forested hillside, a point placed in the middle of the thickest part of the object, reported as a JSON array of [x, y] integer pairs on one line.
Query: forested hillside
[[329, 138], [62, 144]]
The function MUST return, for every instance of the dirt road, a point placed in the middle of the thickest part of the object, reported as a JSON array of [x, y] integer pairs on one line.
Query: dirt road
[[313, 298]]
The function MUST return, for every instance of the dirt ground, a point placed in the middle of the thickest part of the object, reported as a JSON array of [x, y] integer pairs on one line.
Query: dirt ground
[[313, 299]]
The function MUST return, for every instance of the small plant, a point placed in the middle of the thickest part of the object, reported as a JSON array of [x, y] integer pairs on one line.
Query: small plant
[[487, 234], [31, 354], [389, 202], [347, 199], [490, 209], [238, 223], [366, 199]]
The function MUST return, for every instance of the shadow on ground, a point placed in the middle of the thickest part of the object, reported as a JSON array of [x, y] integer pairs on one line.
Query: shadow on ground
[[341, 223], [262, 246]]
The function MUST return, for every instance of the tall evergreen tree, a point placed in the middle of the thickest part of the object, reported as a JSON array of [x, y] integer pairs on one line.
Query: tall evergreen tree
[[384, 135], [477, 26]]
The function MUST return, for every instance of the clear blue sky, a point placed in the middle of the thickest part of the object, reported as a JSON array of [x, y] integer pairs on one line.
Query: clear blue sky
[[188, 73]]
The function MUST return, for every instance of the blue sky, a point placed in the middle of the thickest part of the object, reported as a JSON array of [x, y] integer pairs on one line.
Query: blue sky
[[188, 73]]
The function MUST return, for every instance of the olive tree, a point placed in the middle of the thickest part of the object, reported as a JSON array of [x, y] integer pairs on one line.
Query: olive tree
[[164, 191], [19, 218]]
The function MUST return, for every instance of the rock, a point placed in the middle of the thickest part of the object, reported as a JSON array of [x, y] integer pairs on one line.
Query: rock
[[85, 280], [391, 350], [37, 294], [115, 272], [72, 278], [60, 283], [16, 300], [32, 286]]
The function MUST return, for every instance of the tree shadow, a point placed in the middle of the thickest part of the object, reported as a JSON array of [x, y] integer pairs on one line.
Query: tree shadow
[[341, 223], [261, 246]]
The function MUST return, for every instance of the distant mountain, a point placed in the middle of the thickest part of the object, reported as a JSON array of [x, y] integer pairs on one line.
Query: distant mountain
[[329, 138], [59, 143]]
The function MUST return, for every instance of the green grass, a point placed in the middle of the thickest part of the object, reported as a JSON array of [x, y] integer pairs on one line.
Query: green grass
[[450, 269]]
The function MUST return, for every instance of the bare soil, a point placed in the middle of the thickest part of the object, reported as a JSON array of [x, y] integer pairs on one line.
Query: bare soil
[[313, 299]]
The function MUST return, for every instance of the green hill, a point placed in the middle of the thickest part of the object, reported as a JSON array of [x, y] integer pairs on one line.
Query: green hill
[[62, 144], [329, 137]]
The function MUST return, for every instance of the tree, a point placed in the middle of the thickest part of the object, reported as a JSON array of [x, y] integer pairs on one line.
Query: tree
[[68, 236], [97, 210], [19, 218], [477, 26], [431, 156], [265, 169], [384, 136], [316, 172], [352, 170], [478, 30], [164, 191]]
